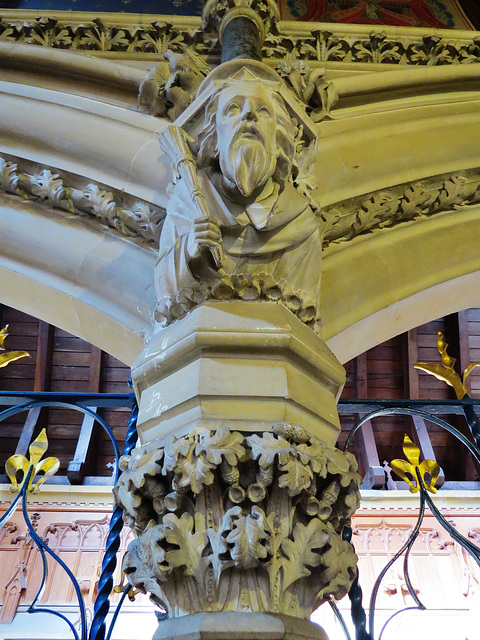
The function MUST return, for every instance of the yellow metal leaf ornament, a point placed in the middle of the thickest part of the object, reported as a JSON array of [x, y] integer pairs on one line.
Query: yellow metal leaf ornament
[[48, 467], [445, 370], [9, 356], [414, 471]]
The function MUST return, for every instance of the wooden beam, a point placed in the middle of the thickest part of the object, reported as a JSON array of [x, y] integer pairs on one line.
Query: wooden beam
[[420, 434], [77, 468], [43, 374], [27, 431], [410, 351], [43, 365], [374, 473]]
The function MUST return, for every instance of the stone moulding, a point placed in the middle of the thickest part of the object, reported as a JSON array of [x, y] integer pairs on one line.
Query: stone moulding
[[342, 222], [149, 35], [228, 521], [402, 203], [62, 191]]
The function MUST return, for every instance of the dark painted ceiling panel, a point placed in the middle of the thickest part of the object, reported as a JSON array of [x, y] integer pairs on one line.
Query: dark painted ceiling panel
[[407, 13]]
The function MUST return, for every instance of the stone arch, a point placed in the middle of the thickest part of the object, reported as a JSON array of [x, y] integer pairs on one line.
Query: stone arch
[[387, 129]]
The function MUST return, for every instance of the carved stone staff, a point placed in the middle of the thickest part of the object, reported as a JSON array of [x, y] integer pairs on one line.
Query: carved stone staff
[[174, 142]]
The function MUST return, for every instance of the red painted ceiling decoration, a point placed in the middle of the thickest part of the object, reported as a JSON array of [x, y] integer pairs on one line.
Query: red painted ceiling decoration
[[439, 14]]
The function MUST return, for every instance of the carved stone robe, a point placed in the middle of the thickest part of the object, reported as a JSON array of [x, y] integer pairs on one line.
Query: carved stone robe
[[272, 250]]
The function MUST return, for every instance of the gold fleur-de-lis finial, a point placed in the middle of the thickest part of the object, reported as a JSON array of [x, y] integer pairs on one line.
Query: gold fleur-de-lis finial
[[414, 471], [16, 463], [445, 371], [9, 356]]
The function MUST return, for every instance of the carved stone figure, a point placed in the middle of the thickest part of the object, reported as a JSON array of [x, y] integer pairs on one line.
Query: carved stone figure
[[257, 236]]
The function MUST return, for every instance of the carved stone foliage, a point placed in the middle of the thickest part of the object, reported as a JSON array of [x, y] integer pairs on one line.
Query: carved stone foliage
[[228, 521], [402, 203], [171, 86], [48, 186], [97, 35], [155, 37], [318, 94]]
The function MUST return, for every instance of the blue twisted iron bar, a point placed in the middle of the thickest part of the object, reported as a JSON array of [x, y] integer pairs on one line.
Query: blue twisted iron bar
[[355, 593], [105, 584], [42, 547], [60, 400]]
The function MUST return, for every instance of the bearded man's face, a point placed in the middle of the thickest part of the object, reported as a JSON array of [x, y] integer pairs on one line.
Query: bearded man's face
[[246, 125]]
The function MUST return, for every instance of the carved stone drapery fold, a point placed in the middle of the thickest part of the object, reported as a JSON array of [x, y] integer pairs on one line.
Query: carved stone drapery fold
[[233, 522]]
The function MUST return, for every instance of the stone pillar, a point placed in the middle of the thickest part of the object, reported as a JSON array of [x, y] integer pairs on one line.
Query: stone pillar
[[237, 494]]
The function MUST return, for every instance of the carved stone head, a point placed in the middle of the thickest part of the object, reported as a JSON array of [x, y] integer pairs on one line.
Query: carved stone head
[[248, 135]]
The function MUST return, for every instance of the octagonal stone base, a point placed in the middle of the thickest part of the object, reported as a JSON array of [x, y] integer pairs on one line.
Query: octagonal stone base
[[245, 365], [238, 626]]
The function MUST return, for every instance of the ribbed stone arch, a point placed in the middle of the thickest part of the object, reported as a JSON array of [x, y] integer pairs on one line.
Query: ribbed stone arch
[[390, 128]]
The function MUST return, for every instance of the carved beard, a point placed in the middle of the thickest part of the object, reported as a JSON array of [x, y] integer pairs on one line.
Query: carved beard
[[248, 164]]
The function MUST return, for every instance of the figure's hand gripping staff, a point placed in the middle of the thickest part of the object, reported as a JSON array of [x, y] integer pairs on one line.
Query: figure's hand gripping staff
[[174, 141]]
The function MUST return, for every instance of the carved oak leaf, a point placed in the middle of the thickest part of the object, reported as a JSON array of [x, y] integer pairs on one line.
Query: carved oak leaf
[[141, 464], [48, 187], [374, 210], [223, 443], [179, 531], [145, 558], [174, 448], [313, 454], [127, 499], [302, 552], [455, 191], [97, 202], [413, 201], [194, 472], [296, 478], [8, 175], [336, 461], [220, 558], [340, 564], [267, 447], [246, 539]]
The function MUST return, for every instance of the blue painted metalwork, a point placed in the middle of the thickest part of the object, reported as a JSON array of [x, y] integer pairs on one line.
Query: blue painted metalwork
[[72, 401], [380, 408], [105, 584], [42, 547], [19, 402]]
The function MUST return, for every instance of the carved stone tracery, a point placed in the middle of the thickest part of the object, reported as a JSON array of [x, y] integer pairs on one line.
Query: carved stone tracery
[[327, 42], [228, 521]]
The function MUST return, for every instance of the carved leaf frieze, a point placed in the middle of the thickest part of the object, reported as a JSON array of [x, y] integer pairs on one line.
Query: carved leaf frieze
[[402, 203], [52, 188], [153, 36]]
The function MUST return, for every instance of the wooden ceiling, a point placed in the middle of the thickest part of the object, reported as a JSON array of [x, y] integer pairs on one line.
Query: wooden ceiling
[[63, 363]]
